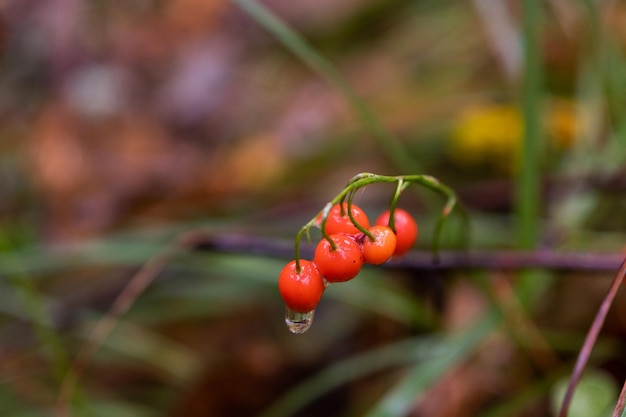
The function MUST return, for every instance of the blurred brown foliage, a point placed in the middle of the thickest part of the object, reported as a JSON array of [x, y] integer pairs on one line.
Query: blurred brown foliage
[[168, 109], [146, 109], [126, 113]]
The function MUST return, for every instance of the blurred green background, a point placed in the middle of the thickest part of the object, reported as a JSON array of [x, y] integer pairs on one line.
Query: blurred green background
[[125, 124]]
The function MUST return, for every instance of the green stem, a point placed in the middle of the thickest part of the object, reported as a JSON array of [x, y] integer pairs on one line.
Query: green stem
[[353, 220], [394, 203], [364, 179], [325, 235], [528, 181], [528, 196]]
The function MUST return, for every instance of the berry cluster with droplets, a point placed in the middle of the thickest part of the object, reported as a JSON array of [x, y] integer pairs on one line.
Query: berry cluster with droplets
[[348, 242]]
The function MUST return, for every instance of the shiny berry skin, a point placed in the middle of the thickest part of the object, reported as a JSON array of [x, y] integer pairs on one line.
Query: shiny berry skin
[[341, 264], [336, 223], [301, 291], [381, 248], [405, 227]]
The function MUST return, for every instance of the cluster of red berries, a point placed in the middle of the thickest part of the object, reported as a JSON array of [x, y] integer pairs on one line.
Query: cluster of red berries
[[341, 260]]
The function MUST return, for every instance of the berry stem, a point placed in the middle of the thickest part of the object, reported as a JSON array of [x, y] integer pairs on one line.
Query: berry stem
[[353, 220], [324, 213], [296, 248], [366, 178], [394, 203]]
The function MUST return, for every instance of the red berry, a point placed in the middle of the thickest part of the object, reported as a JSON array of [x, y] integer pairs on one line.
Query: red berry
[[338, 220], [302, 290], [341, 264], [381, 248], [405, 228]]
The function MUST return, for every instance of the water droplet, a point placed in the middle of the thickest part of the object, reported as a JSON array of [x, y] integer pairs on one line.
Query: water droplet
[[298, 322]]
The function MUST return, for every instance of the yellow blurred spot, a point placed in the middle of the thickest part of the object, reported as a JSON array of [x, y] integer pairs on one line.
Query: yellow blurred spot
[[487, 135], [490, 135]]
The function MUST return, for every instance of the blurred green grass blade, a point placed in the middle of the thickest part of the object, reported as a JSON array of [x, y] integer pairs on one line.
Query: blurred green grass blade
[[613, 154], [131, 248], [35, 308], [452, 352], [607, 74], [314, 60], [616, 85], [611, 65], [238, 278], [528, 192], [111, 408], [516, 404], [11, 307], [370, 292], [377, 293], [375, 360], [169, 360], [39, 260], [14, 405], [527, 187]]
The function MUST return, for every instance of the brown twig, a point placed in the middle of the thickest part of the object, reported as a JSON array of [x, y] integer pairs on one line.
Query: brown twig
[[502, 260], [590, 339]]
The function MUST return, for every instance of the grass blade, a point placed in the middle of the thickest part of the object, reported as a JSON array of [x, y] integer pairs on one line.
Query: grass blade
[[422, 376], [314, 60], [406, 351]]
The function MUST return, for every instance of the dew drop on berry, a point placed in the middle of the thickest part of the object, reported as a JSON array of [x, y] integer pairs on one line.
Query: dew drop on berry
[[298, 322]]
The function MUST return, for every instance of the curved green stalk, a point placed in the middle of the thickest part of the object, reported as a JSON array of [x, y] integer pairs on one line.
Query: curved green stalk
[[353, 220], [402, 182], [394, 203]]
